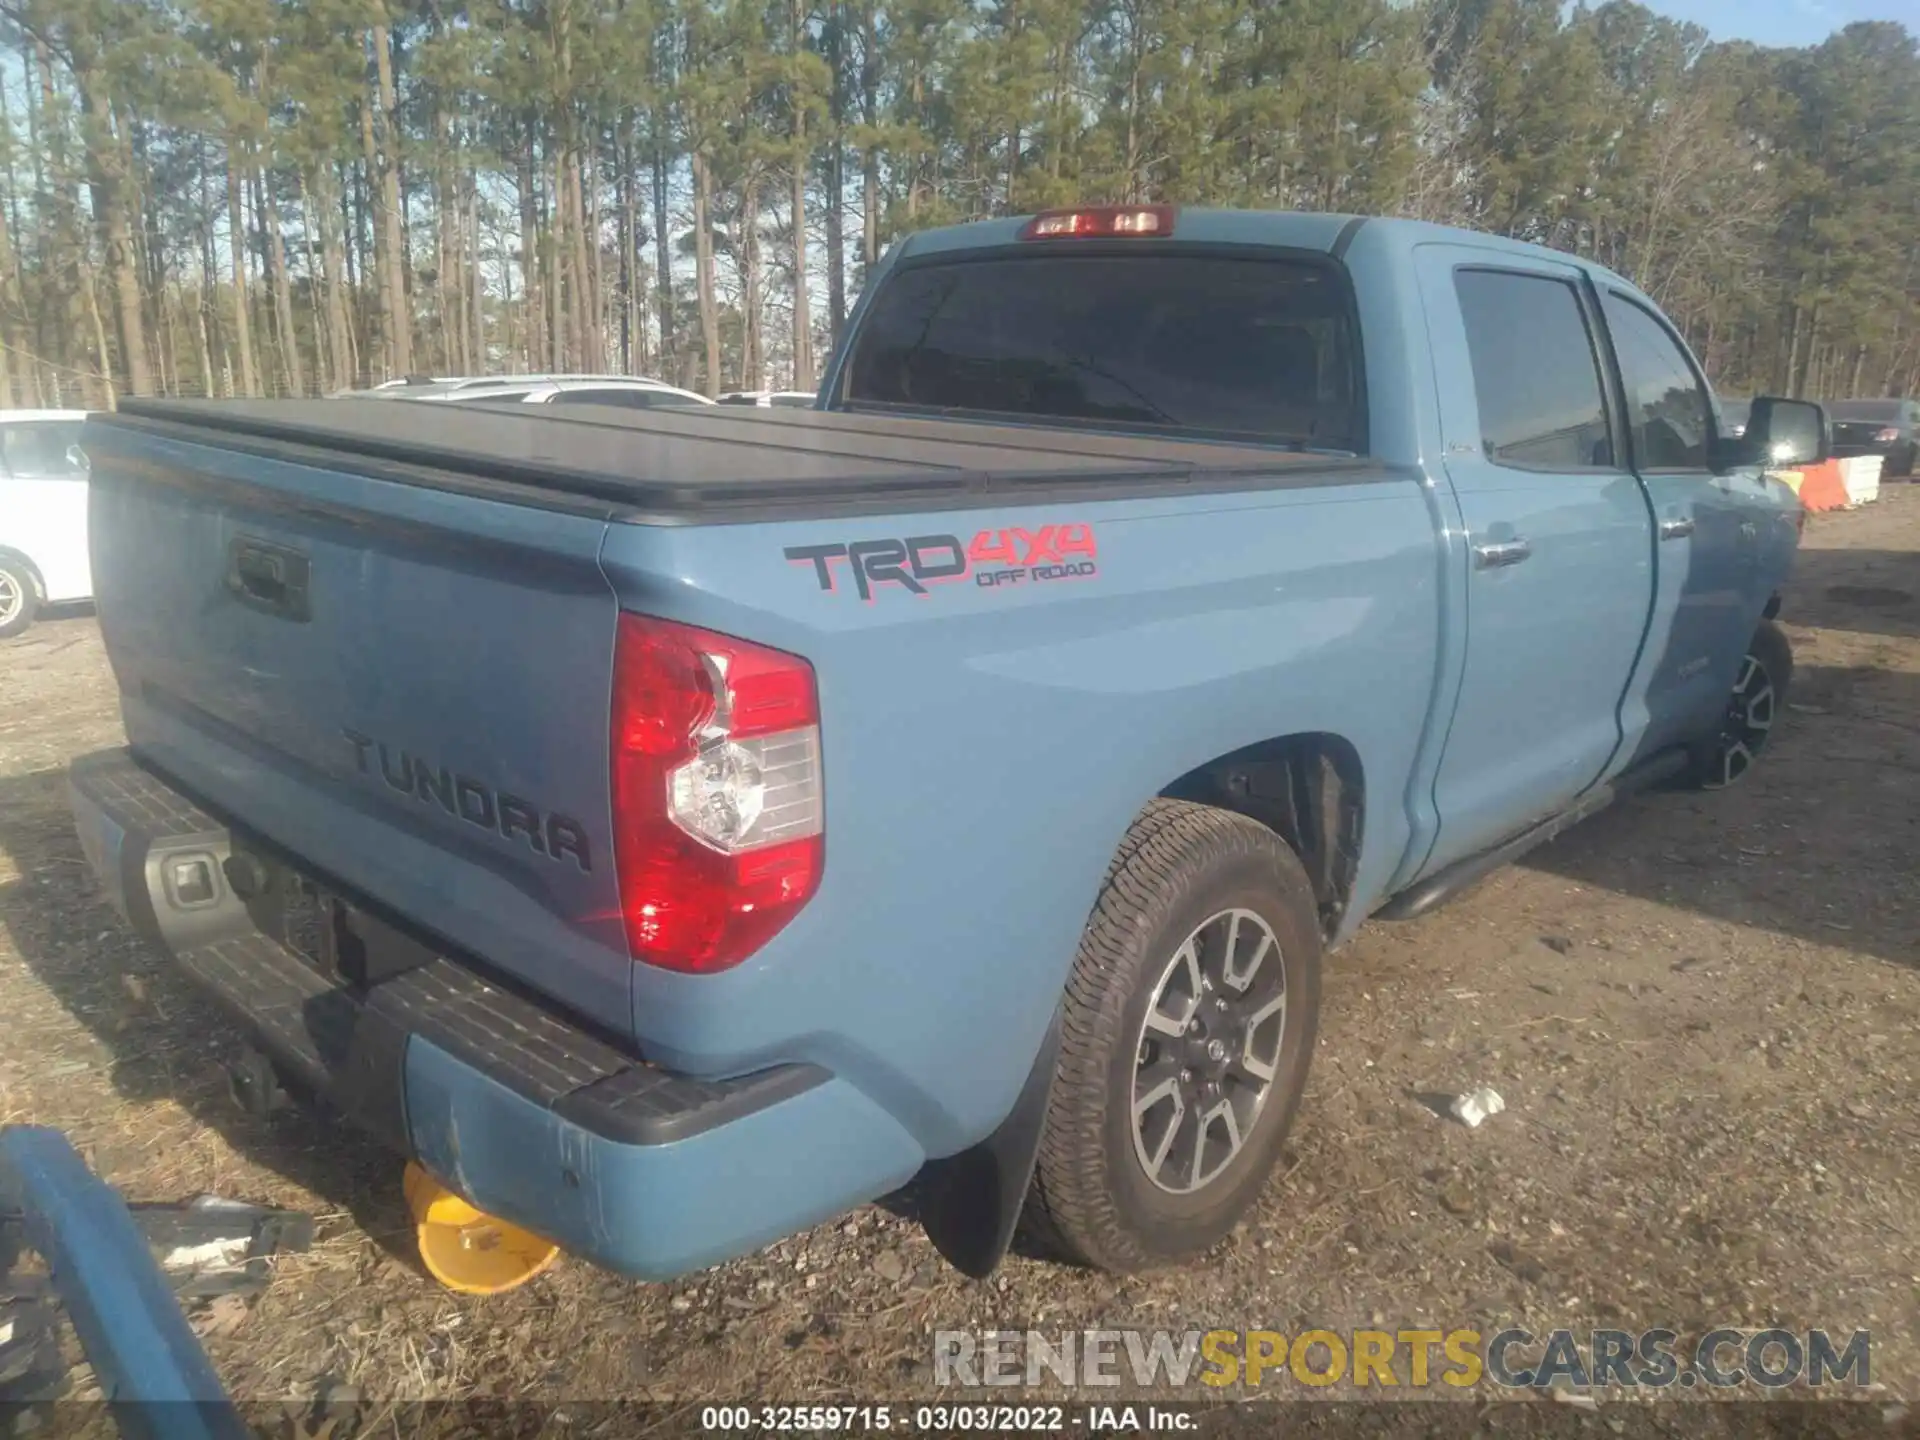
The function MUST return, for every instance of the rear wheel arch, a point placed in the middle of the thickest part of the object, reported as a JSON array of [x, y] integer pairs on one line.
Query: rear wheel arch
[[1310, 789], [1307, 789]]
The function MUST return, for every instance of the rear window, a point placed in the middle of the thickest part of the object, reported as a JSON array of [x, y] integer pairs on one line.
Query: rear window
[[1256, 348], [42, 447]]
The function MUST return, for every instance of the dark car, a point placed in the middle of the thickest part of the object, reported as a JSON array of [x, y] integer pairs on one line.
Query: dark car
[[1890, 428]]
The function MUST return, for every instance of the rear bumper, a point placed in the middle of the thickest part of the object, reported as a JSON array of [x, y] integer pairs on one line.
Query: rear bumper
[[525, 1113]]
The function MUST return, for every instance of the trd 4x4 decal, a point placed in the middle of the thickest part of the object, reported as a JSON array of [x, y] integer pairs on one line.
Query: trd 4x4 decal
[[994, 558]]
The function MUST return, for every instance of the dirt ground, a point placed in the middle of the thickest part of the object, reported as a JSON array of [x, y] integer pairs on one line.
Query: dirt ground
[[1703, 1013]]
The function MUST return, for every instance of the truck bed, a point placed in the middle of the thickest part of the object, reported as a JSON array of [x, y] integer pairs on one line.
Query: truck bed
[[718, 465]]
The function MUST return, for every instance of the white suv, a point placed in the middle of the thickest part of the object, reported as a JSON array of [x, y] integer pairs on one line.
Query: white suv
[[43, 514]]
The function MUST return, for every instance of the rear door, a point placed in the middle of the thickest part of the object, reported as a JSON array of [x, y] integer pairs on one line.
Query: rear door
[[1559, 538], [1707, 531], [43, 512]]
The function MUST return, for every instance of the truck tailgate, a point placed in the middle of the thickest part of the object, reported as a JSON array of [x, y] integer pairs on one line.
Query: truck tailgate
[[407, 689]]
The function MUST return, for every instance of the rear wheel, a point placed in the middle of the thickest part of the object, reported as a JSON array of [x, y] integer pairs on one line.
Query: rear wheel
[[1189, 1023], [19, 600], [1746, 725]]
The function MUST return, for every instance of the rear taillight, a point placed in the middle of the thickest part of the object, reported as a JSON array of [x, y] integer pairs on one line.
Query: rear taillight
[[1093, 222], [718, 808], [1886, 435]]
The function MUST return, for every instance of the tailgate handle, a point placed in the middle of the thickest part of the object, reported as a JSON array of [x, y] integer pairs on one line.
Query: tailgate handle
[[269, 578]]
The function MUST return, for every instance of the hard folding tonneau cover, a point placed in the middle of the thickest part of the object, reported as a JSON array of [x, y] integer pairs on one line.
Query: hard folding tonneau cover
[[711, 463]]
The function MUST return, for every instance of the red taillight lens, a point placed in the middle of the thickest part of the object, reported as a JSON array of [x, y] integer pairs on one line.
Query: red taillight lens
[[1887, 435], [1141, 221], [718, 807]]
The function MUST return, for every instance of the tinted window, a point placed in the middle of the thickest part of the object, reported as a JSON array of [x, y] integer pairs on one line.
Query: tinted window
[[1534, 373], [511, 397], [624, 399], [40, 448], [1263, 348], [1666, 404]]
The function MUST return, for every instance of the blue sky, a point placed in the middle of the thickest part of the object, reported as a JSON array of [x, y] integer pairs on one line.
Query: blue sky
[[1784, 22]]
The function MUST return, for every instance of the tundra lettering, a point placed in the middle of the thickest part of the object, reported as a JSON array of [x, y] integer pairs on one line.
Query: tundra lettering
[[468, 799]]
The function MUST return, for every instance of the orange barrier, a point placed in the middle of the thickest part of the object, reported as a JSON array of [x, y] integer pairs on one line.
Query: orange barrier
[[1820, 487]]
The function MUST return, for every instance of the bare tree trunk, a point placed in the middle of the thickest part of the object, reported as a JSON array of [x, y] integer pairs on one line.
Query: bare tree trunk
[[870, 159], [290, 367], [836, 217], [237, 246], [105, 360], [662, 246], [752, 321], [476, 281], [206, 354], [393, 256], [596, 263], [703, 269], [535, 341], [629, 243], [583, 318], [339, 331], [446, 242], [1803, 370], [11, 305], [557, 252], [107, 178], [324, 364], [64, 321]]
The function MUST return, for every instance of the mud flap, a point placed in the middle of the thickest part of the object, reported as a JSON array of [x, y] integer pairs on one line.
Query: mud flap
[[970, 1203]]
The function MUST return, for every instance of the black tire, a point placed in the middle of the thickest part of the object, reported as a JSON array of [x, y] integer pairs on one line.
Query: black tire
[[19, 598], [1094, 1200], [1753, 711]]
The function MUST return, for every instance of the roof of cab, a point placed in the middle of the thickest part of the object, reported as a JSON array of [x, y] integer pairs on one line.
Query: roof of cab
[[1294, 229]]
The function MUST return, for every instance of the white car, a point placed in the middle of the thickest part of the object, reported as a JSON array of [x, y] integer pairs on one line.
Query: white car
[[782, 399], [626, 392], [43, 514]]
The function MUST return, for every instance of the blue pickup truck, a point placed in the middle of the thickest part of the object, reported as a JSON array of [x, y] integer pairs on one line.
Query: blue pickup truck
[[672, 829]]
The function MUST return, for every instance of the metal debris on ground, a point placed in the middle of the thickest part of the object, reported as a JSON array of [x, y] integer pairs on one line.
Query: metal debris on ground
[[1476, 1105]]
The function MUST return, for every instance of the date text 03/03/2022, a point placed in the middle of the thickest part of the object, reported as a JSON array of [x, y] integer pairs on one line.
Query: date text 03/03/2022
[[944, 1419]]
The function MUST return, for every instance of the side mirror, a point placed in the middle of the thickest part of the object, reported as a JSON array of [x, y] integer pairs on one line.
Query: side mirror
[[1782, 433]]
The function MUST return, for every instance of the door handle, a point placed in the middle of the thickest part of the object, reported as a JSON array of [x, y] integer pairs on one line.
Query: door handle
[[1676, 529], [1497, 553], [269, 578]]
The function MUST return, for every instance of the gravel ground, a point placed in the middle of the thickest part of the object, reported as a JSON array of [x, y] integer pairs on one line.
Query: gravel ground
[[1701, 1012]]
